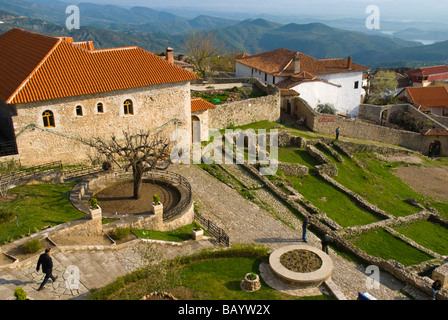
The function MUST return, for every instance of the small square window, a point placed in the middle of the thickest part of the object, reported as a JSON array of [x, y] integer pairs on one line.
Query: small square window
[[79, 111], [356, 84]]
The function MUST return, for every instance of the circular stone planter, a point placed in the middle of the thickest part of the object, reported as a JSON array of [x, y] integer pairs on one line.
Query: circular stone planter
[[251, 284], [298, 279]]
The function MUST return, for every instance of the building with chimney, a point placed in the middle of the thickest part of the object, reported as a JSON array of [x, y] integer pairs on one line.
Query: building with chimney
[[54, 92], [317, 81]]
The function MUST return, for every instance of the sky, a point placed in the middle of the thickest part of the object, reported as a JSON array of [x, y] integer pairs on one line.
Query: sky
[[389, 9]]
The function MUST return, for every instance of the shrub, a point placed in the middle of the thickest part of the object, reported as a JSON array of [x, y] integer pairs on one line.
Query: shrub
[[326, 108], [121, 233], [156, 199], [5, 215], [20, 294], [196, 225], [93, 203], [32, 246]]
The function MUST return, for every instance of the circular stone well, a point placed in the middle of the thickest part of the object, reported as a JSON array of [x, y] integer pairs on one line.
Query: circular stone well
[[319, 271]]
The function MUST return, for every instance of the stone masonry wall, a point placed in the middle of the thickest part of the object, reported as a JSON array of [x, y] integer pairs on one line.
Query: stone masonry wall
[[153, 106], [358, 129]]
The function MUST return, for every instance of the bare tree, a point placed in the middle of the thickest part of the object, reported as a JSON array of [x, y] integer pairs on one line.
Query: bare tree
[[201, 48], [142, 152]]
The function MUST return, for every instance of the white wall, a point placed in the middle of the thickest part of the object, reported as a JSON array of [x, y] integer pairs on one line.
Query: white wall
[[349, 98], [243, 71], [318, 92]]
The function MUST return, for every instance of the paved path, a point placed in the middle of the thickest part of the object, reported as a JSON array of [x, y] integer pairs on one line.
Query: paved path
[[244, 221]]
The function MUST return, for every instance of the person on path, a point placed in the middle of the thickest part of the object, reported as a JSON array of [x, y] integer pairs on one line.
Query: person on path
[[436, 286], [304, 227], [326, 240], [337, 133], [47, 267]]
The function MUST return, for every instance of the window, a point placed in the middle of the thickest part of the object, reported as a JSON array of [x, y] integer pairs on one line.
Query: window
[[273, 80], [99, 107], [79, 111], [265, 77], [128, 107], [48, 119], [356, 84]]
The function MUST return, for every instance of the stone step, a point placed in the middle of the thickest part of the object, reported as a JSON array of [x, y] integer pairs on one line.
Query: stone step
[[415, 293]]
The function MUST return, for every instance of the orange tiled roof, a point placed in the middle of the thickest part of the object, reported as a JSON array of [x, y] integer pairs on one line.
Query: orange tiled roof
[[87, 45], [280, 63], [199, 104], [36, 67], [429, 96], [434, 132]]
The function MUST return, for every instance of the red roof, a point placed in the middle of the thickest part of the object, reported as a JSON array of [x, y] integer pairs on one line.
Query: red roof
[[36, 67], [428, 96], [428, 71], [199, 104], [280, 63]]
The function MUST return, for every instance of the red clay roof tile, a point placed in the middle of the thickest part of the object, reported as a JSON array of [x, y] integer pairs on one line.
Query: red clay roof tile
[[36, 67], [199, 104]]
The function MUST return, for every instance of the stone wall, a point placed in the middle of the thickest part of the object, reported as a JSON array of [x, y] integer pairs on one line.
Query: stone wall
[[247, 111], [153, 107], [359, 129]]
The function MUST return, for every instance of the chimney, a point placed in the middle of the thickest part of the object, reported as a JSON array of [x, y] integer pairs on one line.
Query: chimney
[[169, 55], [349, 63], [296, 63]]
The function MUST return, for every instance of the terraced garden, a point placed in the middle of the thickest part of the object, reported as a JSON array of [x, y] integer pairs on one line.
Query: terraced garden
[[372, 176]]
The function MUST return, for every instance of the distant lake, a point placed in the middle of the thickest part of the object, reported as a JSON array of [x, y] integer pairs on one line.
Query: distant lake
[[427, 42]]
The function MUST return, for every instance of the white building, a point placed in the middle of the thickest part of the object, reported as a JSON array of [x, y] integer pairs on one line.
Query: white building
[[317, 81]]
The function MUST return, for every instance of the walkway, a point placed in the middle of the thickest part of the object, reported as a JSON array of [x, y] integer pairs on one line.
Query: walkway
[[244, 221]]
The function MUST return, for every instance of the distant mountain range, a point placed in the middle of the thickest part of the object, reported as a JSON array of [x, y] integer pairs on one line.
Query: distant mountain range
[[112, 26]]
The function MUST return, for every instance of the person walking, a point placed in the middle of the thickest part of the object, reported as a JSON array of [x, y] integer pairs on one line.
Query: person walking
[[436, 286], [326, 239], [304, 227], [337, 133], [47, 267]]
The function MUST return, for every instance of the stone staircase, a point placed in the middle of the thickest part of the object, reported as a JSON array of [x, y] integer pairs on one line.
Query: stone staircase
[[80, 271]]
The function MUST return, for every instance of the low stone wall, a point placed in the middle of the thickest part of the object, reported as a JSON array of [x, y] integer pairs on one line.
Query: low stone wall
[[359, 129], [293, 169]]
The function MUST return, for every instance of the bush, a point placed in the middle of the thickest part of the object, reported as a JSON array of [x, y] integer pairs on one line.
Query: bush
[[326, 108], [106, 166], [93, 203], [20, 294], [121, 233], [6, 216], [32, 246], [156, 199]]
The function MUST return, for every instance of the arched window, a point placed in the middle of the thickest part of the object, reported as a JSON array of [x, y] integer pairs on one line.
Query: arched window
[[48, 119], [128, 107], [79, 111], [99, 107]]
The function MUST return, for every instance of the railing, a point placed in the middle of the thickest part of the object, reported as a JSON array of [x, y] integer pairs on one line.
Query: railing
[[216, 231], [176, 179], [81, 171]]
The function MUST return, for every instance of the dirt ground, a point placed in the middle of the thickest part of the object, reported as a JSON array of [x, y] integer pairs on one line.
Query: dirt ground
[[431, 182], [119, 198]]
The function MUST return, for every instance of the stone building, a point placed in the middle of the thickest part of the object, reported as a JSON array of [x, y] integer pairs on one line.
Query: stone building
[[54, 91], [317, 81]]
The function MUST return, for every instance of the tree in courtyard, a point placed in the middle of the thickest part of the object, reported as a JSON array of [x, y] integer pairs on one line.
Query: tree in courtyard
[[326, 108], [142, 152], [383, 82], [203, 49]]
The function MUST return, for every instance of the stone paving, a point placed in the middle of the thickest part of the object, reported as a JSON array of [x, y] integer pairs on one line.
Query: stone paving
[[244, 222]]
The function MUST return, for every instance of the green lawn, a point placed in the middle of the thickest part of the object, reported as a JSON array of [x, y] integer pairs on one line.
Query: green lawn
[[178, 235], [338, 206], [382, 244], [38, 206], [219, 279], [429, 234], [377, 185]]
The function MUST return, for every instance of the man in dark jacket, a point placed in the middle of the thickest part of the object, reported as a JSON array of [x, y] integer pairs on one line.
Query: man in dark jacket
[[47, 267], [326, 239]]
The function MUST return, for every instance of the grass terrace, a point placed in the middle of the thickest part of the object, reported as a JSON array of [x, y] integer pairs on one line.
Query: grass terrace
[[382, 244]]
